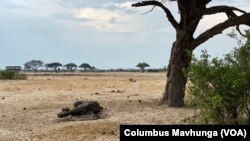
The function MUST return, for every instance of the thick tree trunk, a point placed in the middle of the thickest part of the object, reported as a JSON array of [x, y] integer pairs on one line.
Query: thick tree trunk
[[181, 56]]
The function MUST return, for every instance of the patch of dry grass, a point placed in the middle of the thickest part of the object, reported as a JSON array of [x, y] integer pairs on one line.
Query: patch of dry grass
[[29, 107]]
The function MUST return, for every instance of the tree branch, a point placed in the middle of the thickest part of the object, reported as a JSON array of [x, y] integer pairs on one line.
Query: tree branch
[[226, 9], [243, 19], [219, 9], [166, 10]]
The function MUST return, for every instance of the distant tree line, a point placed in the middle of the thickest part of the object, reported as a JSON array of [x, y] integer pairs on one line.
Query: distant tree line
[[34, 65], [38, 65]]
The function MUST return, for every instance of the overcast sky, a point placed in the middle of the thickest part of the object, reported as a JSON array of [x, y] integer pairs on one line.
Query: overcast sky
[[104, 33]]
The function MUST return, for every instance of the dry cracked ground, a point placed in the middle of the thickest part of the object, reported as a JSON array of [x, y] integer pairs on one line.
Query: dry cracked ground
[[29, 107]]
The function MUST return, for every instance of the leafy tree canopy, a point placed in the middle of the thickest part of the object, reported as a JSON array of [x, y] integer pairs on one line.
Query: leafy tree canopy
[[142, 65], [33, 64], [54, 65], [85, 66]]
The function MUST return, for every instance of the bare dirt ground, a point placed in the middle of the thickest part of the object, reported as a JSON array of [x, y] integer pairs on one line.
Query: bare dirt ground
[[29, 107]]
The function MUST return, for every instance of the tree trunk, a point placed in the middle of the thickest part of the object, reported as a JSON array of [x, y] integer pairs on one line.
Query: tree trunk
[[181, 56], [142, 69]]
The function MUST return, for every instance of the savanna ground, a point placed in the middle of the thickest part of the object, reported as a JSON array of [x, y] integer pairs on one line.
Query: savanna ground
[[29, 107]]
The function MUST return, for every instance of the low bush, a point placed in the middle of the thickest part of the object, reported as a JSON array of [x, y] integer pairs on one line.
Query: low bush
[[7, 74]]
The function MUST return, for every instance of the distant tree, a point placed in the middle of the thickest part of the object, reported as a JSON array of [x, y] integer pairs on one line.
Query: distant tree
[[92, 68], [54, 65], [142, 66], [27, 66], [85, 66], [70, 66], [33, 64]]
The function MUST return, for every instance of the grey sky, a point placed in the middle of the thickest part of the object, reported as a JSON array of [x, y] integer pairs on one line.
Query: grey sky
[[106, 33]]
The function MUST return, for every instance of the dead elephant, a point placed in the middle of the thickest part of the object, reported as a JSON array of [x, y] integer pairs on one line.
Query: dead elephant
[[81, 108]]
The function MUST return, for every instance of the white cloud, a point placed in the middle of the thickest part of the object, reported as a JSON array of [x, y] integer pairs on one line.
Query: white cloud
[[35, 8], [98, 14], [103, 19], [126, 5], [106, 18], [109, 18]]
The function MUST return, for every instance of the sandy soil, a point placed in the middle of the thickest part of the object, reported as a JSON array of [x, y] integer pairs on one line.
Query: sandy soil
[[29, 107]]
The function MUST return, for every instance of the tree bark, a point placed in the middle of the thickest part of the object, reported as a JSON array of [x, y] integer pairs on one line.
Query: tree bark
[[180, 59]]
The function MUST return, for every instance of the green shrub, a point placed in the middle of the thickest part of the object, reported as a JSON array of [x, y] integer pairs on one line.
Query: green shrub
[[7, 74], [220, 88]]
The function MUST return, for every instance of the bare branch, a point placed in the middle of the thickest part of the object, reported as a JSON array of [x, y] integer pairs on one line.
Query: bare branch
[[225, 9], [238, 29], [150, 10], [159, 4], [153, 8], [243, 19], [220, 9]]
